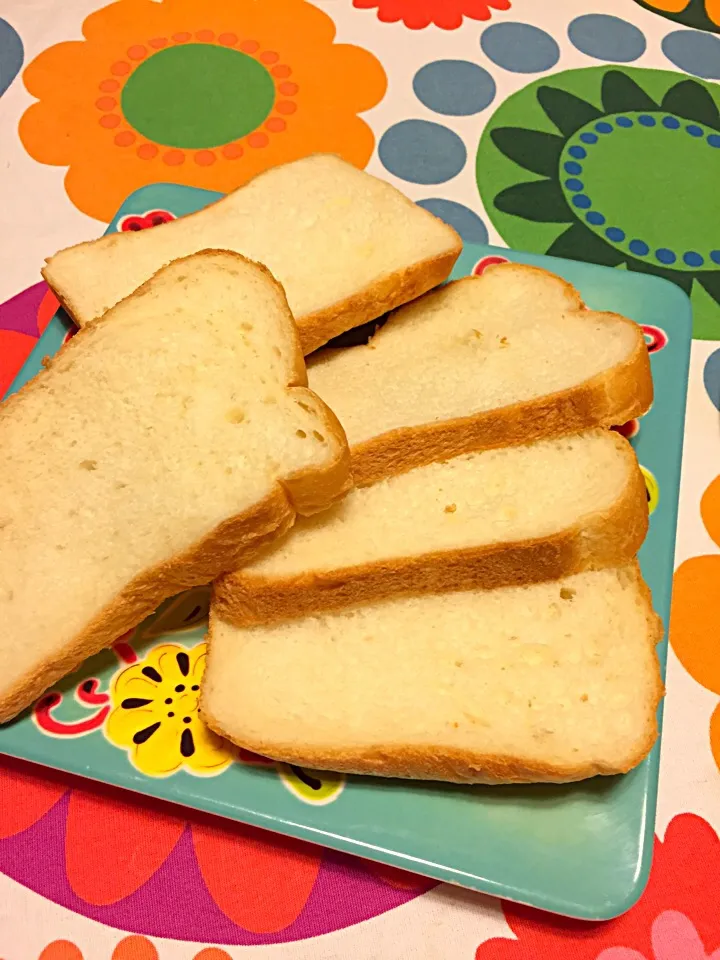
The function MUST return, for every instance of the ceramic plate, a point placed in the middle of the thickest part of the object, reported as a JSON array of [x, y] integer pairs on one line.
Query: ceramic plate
[[583, 850]]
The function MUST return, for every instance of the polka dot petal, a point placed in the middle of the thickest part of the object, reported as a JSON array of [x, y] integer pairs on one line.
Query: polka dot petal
[[467, 223], [422, 152], [454, 87], [520, 47], [711, 378], [694, 52], [694, 617], [11, 55], [607, 38], [61, 950]]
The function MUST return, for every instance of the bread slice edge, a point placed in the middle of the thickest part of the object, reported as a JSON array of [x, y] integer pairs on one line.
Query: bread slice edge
[[608, 399], [234, 542], [387, 293], [603, 539], [432, 762]]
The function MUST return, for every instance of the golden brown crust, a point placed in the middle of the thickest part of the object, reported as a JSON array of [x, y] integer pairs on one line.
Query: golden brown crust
[[607, 400], [316, 329], [609, 539], [386, 294], [450, 763], [233, 543]]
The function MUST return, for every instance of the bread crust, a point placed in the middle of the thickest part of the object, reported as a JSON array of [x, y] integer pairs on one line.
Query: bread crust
[[607, 539], [374, 300], [436, 762], [234, 542], [606, 400]]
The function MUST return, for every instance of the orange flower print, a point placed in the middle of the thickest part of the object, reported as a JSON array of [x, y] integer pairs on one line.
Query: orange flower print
[[695, 613], [701, 14], [418, 14], [207, 93]]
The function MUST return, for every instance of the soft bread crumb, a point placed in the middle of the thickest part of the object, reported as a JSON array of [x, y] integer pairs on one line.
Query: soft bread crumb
[[340, 263], [507, 337], [107, 463], [499, 685]]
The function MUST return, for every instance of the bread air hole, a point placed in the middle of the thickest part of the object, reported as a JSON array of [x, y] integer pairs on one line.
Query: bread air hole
[[318, 436], [566, 593], [88, 464], [235, 415], [301, 434]]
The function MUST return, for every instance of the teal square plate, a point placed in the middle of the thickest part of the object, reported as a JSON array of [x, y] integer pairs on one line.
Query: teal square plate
[[582, 850]]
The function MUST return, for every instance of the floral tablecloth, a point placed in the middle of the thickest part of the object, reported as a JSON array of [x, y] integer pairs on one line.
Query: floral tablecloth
[[466, 105]]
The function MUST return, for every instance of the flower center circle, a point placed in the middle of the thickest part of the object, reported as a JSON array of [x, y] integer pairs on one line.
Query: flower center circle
[[197, 95], [615, 173]]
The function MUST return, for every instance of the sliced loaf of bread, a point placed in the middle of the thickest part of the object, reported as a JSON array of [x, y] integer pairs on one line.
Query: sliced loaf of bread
[[346, 247], [166, 443], [508, 516], [552, 682], [507, 357]]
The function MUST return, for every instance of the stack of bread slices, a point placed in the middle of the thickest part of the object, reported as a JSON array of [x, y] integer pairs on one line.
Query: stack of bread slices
[[424, 562]]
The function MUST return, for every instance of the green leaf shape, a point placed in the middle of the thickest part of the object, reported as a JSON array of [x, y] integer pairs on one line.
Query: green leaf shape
[[710, 280], [568, 112], [580, 243], [691, 100], [679, 277], [541, 201], [532, 150], [620, 94]]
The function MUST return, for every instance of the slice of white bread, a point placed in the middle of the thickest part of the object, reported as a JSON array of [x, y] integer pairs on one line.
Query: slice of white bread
[[507, 357], [346, 247], [509, 516], [164, 444], [552, 682]]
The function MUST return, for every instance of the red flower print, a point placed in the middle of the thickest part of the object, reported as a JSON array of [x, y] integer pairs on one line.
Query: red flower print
[[418, 14], [629, 429], [481, 266], [270, 881], [129, 948], [24, 796], [675, 919], [142, 221], [655, 337], [15, 348], [47, 308], [259, 880]]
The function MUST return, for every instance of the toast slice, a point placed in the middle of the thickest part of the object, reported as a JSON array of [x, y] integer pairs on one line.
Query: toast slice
[[507, 357], [346, 247], [552, 682], [508, 516], [165, 443]]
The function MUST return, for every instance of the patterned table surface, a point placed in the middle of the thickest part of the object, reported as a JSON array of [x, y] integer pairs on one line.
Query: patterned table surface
[[467, 106]]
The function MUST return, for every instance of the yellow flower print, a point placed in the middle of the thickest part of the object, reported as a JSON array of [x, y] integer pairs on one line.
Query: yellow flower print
[[652, 488], [310, 786], [155, 714]]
